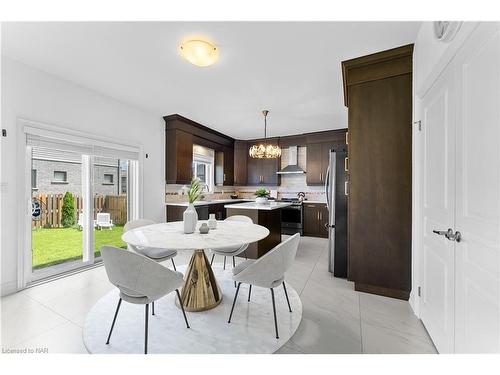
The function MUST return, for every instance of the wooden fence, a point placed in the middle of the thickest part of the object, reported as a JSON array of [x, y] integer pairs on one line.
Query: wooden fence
[[115, 205]]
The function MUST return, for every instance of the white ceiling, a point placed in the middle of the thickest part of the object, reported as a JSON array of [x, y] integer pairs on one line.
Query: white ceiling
[[290, 68]]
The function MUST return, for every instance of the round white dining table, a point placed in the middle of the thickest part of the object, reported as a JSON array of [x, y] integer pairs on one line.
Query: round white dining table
[[200, 290]]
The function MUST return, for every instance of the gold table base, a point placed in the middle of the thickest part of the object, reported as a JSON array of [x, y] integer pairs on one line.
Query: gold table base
[[200, 290]]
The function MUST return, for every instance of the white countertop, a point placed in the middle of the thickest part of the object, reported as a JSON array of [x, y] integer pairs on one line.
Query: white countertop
[[256, 206], [204, 203], [313, 201]]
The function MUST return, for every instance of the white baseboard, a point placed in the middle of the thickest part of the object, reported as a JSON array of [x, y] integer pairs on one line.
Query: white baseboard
[[8, 288]]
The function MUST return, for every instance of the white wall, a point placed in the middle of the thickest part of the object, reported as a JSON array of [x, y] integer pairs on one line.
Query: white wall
[[34, 95]]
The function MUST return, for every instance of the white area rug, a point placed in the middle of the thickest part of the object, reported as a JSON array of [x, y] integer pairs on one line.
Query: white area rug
[[251, 329]]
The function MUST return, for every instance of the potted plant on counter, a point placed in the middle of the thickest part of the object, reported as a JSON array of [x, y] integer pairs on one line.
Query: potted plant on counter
[[262, 195], [190, 216]]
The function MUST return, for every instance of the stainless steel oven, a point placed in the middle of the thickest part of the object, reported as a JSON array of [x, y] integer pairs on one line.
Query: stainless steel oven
[[292, 218]]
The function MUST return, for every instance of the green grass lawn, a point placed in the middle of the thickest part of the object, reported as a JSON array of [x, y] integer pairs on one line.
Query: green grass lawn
[[58, 245]]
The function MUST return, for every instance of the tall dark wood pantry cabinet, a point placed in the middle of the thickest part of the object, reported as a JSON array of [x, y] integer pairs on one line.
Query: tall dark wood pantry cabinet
[[378, 94]]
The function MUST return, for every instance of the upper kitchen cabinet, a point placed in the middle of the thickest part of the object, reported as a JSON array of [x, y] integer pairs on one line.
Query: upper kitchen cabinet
[[318, 147], [178, 156], [240, 163], [378, 93], [262, 171], [228, 175], [224, 167], [181, 134]]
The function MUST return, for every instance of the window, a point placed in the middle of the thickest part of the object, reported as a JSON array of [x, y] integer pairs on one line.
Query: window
[[203, 166], [60, 177], [200, 171], [33, 180], [108, 179]]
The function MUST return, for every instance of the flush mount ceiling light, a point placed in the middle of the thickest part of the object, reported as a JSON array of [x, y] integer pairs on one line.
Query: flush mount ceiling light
[[265, 150], [199, 52]]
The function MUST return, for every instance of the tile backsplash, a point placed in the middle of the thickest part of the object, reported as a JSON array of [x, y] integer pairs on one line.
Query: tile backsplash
[[291, 184]]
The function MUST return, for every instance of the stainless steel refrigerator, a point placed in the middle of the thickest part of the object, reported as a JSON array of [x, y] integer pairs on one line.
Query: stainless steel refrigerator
[[336, 196]]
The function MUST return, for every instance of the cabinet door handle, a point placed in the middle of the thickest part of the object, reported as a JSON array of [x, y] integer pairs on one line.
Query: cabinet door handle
[[345, 188], [346, 162], [321, 176], [224, 177], [346, 138]]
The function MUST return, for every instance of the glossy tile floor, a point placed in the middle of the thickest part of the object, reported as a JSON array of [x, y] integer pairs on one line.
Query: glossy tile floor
[[335, 318]]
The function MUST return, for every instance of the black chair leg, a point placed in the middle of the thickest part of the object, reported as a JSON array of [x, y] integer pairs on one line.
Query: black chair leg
[[234, 265], [249, 292], [114, 320], [234, 302], [153, 307], [213, 256], [245, 252], [146, 330], [224, 263], [182, 307], [173, 264], [274, 311], [286, 295]]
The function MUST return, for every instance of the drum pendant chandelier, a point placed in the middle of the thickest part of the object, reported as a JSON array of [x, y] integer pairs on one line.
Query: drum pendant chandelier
[[265, 150]]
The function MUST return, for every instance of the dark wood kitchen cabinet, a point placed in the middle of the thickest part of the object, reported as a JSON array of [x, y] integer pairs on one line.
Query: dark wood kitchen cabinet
[[315, 217], [181, 134], [224, 167], [178, 156], [228, 175], [318, 154], [378, 94], [240, 163], [263, 171], [175, 213]]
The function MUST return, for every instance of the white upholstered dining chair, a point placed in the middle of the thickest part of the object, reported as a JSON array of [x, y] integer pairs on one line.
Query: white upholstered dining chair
[[140, 281], [154, 253], [232, 251], [267, 272]]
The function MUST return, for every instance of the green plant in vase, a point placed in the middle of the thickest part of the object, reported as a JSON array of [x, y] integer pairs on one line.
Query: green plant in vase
[[262, 195], [195, 190], [190, 216]]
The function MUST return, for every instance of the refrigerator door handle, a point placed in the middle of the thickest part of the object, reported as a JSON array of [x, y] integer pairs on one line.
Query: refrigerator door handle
[[327, 180]]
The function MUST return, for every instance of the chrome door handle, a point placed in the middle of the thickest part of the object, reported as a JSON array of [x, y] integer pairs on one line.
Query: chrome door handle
[[448, 233], [457, 236]]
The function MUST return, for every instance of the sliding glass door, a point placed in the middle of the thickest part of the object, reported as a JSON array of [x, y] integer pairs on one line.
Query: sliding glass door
[[110, 201], [57, 227], [81, 197]]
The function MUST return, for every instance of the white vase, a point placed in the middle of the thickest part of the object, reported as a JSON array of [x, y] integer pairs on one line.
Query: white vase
[[212, 222], [190, 218], [261, 200]]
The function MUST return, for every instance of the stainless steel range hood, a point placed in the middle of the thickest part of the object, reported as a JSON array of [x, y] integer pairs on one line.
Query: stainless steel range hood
[[292, 167]]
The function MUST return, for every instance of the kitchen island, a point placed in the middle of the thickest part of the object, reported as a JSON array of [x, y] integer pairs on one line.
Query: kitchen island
[[267, 215]]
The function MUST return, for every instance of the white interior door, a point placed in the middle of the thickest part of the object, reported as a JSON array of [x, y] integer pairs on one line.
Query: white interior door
[[478, 192], [438, 173]]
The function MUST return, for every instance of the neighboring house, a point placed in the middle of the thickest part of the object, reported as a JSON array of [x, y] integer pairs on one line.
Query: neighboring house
[[56, 172]]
